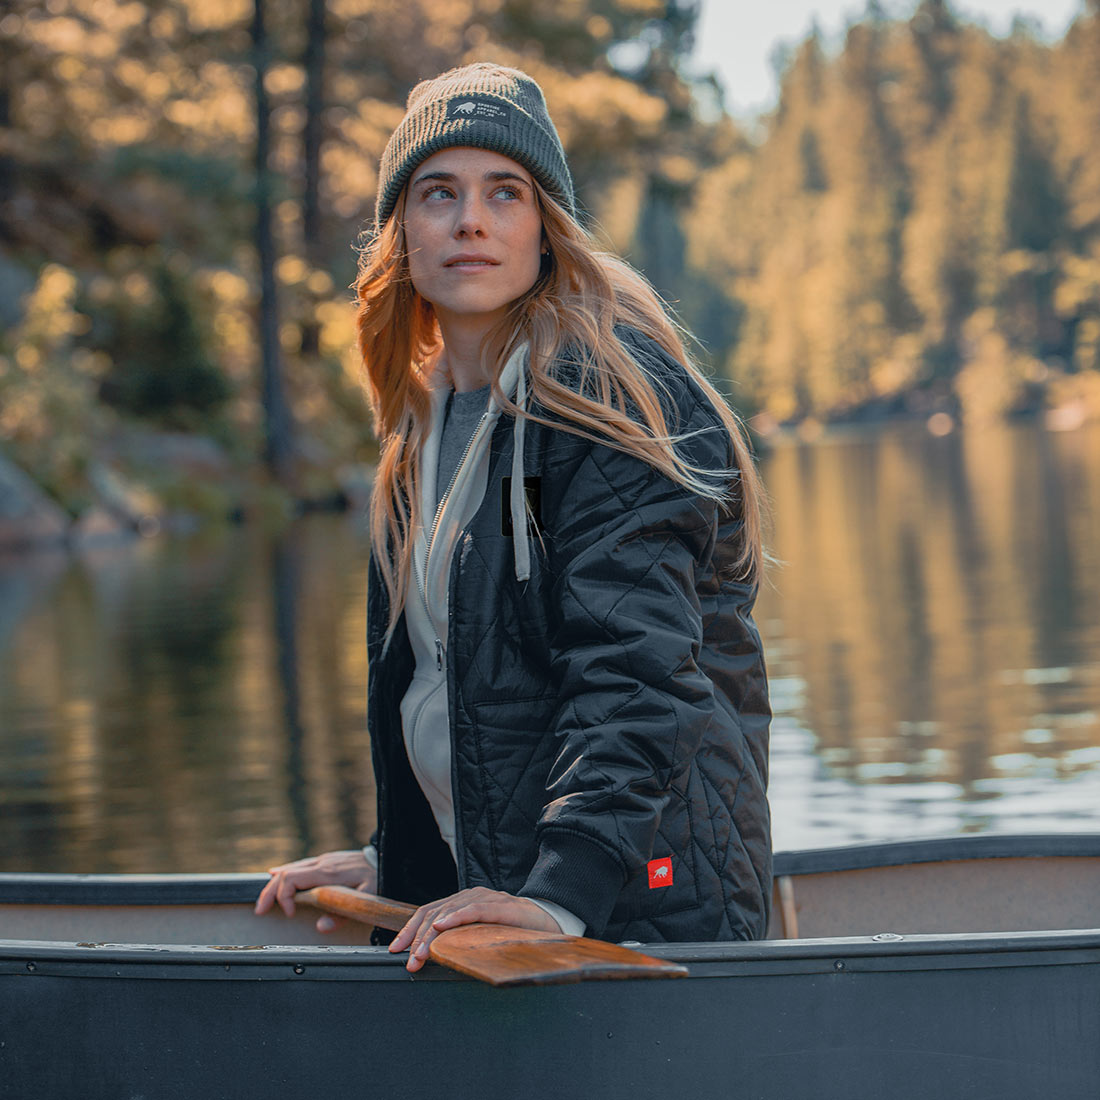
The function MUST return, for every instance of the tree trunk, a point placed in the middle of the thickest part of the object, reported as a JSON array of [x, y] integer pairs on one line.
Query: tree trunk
[[7, 161], [314, 63], [279, 443]]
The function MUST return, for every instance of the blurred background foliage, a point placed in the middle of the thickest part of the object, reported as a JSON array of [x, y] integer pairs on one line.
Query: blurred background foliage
[[915, 228]]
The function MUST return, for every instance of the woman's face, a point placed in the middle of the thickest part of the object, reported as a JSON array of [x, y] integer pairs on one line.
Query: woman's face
[[473, 233]]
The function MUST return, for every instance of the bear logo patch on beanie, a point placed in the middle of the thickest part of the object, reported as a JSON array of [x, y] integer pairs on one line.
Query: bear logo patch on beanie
[[482, 109]]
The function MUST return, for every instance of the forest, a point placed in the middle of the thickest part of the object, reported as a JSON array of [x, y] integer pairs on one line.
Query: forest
[[913, 230]]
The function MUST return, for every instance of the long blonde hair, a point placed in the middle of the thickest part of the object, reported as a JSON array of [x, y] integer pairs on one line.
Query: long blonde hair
[[581, 293]]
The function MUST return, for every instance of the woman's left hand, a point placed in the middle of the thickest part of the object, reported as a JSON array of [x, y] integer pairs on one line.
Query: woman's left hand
[[478, 905]]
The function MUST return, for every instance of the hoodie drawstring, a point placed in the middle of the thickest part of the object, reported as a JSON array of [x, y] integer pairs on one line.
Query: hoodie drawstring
[[520, 546]]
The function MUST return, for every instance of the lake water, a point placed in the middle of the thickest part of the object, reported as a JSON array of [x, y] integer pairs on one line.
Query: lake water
[[932, 632]]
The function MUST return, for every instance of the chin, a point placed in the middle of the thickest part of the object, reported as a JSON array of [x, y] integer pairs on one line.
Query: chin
[[479, 305]]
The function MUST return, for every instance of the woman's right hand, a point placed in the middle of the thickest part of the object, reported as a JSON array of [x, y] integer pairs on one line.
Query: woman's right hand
[[347, 868]]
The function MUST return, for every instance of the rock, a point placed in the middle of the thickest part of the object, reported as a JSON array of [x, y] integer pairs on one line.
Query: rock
[[98, 526], [129, 501], [28, 517], [196, 455]]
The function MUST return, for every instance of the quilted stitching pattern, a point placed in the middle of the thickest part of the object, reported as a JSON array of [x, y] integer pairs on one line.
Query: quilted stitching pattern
[[619, 696]]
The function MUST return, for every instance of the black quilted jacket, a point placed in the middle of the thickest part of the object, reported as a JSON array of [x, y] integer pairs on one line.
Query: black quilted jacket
[[609, 712]]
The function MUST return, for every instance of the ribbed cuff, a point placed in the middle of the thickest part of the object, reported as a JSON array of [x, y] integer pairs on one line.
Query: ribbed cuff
[[578, 875]]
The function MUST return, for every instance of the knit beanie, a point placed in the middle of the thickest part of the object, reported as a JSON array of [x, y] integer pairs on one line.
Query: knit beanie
[[486, 106]]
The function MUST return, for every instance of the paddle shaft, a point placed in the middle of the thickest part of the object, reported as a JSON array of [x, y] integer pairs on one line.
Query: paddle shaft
[[368, 908]]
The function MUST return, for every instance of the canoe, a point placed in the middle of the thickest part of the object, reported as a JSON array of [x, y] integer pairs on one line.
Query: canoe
[[959, 967]]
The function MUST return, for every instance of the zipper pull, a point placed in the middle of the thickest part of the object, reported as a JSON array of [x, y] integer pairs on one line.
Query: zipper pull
[[439, 655]]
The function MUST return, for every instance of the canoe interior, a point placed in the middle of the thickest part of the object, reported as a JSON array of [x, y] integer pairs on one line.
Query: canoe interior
[[946, 886], [208, 925], [971, 895]]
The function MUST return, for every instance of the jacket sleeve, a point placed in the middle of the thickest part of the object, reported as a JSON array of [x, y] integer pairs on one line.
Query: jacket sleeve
[[625, 644]]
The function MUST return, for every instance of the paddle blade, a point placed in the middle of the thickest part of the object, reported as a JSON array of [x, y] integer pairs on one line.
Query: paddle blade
[[502, 955]]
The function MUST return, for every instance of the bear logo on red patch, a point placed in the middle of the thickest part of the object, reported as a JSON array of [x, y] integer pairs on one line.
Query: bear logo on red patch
[[660, 872]]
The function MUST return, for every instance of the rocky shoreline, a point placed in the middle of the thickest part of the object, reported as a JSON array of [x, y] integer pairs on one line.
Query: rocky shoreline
[[164, 483]]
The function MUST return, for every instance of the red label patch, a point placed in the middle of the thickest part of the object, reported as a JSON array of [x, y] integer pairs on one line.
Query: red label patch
[[660, 872]]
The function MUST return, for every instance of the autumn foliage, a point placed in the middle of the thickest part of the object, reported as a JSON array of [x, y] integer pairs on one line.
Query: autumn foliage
[[914, 228]]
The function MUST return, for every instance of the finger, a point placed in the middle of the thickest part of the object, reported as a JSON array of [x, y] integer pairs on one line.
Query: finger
[[406, 938], [329, 923], [407, 933], [285, 892], [267, 897], [420, 949]]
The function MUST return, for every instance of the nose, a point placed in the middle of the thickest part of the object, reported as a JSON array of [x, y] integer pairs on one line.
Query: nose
[[471, 219]]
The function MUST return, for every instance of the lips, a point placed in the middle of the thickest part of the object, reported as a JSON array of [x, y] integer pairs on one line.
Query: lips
[[469, 259]]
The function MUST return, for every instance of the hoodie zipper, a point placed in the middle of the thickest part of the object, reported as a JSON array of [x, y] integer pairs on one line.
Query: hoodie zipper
[[421, 581]]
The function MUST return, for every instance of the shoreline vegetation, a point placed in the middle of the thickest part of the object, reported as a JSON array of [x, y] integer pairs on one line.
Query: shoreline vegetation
[[912, 232]]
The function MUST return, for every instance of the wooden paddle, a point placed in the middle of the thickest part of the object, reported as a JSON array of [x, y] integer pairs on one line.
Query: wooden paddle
[[497, 953]]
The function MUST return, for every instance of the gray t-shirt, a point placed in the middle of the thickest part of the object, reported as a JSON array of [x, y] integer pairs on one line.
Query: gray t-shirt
[[459, 422]]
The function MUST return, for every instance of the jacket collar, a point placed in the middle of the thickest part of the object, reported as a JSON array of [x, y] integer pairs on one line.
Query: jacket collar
[[513, 383]]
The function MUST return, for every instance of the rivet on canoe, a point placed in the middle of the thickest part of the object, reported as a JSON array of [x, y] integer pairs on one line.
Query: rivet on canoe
[[839, 964], [887, 937], [299, 969], [32, 966]]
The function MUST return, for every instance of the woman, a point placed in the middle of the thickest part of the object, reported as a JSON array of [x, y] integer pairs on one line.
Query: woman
[[567, 699]]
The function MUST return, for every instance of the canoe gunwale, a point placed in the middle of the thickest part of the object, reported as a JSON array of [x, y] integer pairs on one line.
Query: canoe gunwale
[[39, 888], [900, 853], [831, 954]]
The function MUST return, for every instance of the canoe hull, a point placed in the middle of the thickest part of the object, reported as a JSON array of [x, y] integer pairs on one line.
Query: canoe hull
[[1008, 1017], [990, 1015]]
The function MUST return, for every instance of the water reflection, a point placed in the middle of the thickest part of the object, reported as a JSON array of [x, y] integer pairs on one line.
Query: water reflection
[[933, 641], [933, 635], [187, 705]]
